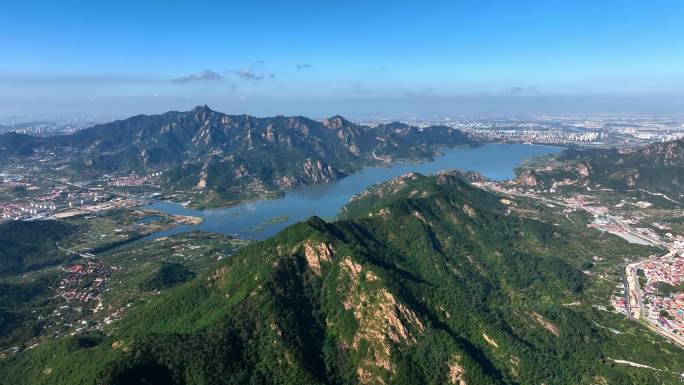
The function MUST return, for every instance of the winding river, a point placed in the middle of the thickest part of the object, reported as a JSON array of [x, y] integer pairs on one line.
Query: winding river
[[265, 218]]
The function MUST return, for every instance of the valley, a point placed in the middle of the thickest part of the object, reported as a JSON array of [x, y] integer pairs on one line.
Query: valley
[[534, 258], [342, 193]]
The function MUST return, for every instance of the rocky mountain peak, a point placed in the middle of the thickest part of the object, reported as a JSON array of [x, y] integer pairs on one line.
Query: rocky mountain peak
[[201, 108], [335, 122], [202, 112]]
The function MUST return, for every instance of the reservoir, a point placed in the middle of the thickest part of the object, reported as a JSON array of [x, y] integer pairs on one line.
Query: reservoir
[[264, 218]]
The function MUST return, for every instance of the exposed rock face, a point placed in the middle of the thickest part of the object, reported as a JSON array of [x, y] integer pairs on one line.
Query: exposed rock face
[[546, 324], [582, 169], [382, 320], [288, 181], [270, 134], [202, 184], [313, 171], [319, 172], [335, 122], [456, 371], [490, 340], [219, 274], [317, 253], [469, 210], [352, 270], [528, 178], [420, 217]]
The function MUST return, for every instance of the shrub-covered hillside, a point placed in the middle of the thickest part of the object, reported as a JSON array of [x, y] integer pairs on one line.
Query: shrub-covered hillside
[[424, 280]]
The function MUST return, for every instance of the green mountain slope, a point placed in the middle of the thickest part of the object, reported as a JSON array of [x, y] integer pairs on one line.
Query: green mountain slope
[[26, 246], [658, 168], [423, 280], [230, 156]]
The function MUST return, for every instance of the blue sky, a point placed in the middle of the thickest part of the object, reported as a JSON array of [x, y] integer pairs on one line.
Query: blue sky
[[351, 57]]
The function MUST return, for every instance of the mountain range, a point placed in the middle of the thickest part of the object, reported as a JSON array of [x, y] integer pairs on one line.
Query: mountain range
[[657, 168], [227, 155], [422, 280]]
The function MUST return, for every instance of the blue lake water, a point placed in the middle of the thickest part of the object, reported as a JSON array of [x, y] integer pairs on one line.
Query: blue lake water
[[250, 220]]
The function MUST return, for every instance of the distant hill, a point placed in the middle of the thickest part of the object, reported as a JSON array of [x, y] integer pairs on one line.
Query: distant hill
[[14, 144], [207, 150], [426, 280], [657, 168], [29, 245]]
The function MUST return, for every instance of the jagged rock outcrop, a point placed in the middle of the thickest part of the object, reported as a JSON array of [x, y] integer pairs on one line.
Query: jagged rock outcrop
[[319, 172], [527, 178]]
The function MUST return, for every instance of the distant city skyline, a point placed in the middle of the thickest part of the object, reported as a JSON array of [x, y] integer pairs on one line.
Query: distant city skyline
[[351, 58]]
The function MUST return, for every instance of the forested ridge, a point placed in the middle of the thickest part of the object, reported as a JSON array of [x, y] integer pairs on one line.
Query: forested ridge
[[421, 280]]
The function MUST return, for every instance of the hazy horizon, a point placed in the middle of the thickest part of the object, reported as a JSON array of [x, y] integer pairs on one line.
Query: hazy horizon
[[354, 59], [476, 107]]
